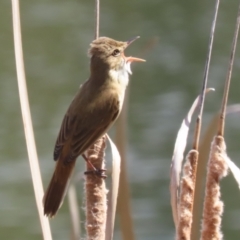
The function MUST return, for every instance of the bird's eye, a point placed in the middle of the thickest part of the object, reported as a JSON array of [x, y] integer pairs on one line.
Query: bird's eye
[[116, 52]]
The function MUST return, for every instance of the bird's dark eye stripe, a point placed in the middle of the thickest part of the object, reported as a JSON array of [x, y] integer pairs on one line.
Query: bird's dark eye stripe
[[116, 52]]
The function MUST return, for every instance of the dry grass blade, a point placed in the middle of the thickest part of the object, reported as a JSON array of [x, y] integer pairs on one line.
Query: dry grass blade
[[235, 108], [234, 169], [74, 212], [124, 203], [112, 203], [177, 158], [232, 166], [95, 192], [27, 122], [213, 206]]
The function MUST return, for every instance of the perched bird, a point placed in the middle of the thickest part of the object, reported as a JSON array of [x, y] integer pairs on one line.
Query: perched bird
[[91, 113]]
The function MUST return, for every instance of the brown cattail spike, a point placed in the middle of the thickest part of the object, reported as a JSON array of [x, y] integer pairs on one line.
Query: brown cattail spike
[[95, 192], [213, 206]]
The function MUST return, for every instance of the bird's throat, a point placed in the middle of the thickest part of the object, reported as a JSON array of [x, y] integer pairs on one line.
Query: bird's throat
[[120, 76]]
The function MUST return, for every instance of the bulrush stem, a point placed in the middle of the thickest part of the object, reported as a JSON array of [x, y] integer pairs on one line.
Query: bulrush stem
[[97, 16], [228, 78], [187, 196], [205, 79], [213, 206], [95, 192]]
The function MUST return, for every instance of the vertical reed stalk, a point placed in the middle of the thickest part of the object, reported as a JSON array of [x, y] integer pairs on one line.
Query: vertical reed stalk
[[27, 122], [228, 78], [205, 79], [97, 16]]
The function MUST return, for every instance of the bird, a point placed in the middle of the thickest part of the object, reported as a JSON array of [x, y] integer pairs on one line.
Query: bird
[[93, 110]]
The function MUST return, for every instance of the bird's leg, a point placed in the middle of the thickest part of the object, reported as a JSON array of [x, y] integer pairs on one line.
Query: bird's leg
[[98, 172], [86, 159]]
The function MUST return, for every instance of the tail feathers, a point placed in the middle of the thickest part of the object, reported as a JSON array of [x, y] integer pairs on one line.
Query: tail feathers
[[56, 190]]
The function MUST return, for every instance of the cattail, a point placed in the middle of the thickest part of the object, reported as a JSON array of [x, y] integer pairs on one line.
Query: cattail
[[213, 206], [95, 192], [187, 196]]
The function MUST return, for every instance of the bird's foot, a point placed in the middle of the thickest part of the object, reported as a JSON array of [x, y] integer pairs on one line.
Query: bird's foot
[[98, 172]]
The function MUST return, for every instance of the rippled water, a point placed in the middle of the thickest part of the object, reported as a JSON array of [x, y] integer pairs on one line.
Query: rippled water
[[56, 36]]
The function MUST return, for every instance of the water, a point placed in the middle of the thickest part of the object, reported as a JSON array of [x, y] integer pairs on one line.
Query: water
[[56, 36]]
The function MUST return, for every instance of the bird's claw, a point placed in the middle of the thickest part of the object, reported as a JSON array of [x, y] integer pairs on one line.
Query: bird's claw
[[98, 172]]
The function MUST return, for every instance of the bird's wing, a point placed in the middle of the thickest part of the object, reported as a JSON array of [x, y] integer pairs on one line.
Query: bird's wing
[[64, 133], [68, 123], [94, 126], [80, 131]]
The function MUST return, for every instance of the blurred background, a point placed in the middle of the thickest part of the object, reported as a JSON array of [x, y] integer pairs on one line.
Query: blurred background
[[174, 41]]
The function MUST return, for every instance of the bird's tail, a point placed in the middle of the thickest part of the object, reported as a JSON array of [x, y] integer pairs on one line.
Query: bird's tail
[[55, 193]]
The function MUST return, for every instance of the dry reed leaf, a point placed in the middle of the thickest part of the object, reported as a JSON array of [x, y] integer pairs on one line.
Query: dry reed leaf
[[232, 166], [234, 108], [124, 199], [234, 169], [74, 212], [27, 121], [177, 158], [113, 192]]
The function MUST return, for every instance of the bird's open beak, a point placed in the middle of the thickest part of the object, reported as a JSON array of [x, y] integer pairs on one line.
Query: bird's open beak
[[129, 60], [133, 59], [132, 40]]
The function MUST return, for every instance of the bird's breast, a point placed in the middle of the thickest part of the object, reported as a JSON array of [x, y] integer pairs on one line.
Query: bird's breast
[[119, 79]]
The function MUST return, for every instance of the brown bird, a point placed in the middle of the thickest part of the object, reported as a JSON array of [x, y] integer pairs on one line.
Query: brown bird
[[91, 113]]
